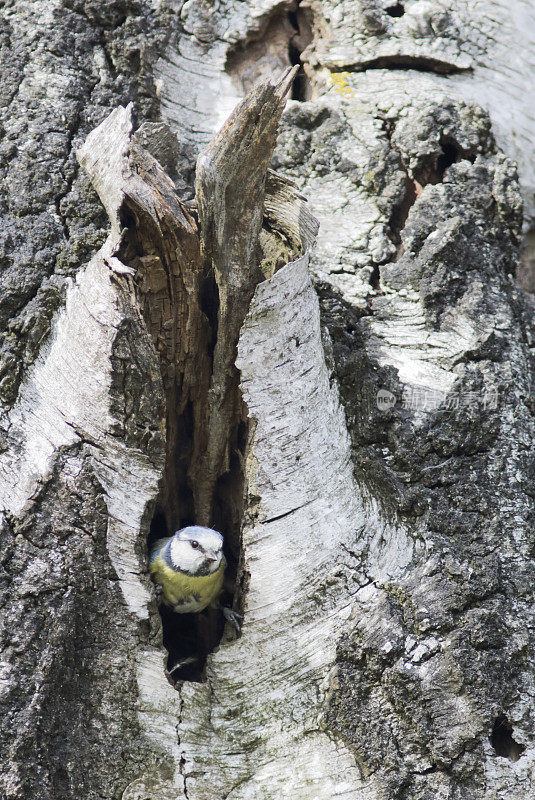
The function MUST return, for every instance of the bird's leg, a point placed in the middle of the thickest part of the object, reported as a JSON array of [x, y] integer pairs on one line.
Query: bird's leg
[[232, 617]]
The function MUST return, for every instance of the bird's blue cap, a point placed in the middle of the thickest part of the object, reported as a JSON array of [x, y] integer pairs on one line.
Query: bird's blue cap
[[206, 536]]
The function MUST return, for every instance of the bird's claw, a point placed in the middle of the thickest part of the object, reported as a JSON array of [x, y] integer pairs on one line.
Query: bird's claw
[[232, 617]]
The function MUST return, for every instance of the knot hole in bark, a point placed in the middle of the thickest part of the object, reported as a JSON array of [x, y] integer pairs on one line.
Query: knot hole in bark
[[395, 10], [502, 740]]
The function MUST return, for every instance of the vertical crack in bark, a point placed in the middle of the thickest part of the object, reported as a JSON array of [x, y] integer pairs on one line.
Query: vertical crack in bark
[[162, 245], [194, 285], [301, 20], [193, 273]]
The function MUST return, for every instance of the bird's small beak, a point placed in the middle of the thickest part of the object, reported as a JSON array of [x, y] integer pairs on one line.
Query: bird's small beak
[[211, 555]]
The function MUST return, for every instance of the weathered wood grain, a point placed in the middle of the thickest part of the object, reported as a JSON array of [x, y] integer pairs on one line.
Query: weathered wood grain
[[230, 192]]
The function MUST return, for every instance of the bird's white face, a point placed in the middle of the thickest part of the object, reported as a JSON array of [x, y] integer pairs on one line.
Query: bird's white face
[[197, 550]]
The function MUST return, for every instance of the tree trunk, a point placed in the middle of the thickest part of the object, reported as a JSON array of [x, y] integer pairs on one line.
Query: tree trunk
[[351, 406]]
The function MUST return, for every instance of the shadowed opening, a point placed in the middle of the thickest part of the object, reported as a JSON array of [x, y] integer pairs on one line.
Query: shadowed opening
[[395, 10], [451, 153], [182, 322], [502, 740], [278, 40], [188, 638], [302, 38]]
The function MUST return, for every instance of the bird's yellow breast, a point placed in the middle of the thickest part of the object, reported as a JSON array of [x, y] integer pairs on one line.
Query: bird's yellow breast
[[187, 593]]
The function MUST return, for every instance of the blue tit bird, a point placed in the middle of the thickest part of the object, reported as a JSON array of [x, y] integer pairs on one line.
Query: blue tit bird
[[190, 568]]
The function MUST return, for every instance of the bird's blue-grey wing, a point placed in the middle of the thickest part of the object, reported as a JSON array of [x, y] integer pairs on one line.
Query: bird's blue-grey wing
[[157, 547]]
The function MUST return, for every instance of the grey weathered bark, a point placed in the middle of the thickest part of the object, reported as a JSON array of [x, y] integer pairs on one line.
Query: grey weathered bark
[[370, 454]]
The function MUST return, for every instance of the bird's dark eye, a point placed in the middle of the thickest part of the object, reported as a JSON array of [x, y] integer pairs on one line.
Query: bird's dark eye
[[195, 544]]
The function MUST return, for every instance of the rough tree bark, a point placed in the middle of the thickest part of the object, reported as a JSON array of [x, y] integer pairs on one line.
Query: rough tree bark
[[355, 415]]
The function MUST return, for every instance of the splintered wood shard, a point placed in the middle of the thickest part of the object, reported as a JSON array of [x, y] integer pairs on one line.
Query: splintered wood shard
[[230, 188]]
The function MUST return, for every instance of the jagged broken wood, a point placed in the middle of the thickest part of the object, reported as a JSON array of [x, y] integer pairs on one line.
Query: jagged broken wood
[[230, 192], [173, 263]]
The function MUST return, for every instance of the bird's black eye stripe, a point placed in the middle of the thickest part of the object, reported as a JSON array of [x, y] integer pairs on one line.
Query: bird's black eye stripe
[[194, 544]]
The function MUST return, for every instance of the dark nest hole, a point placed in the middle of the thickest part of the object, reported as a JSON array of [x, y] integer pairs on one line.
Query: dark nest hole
[[502, 740], [188, 637], [395, 10], [192, 637]]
